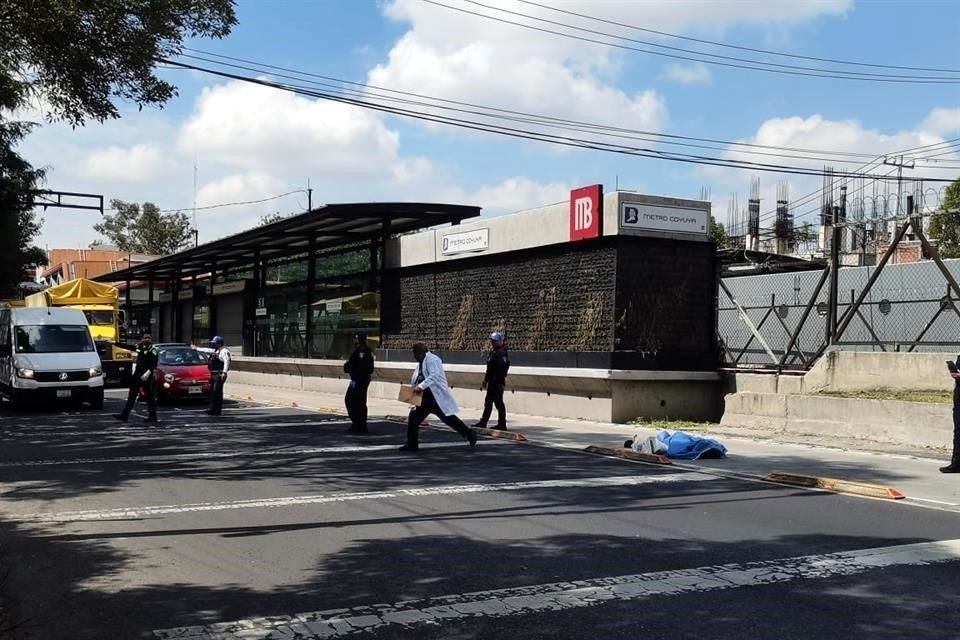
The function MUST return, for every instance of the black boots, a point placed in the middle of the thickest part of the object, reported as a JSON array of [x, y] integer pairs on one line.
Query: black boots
[[953, 467]]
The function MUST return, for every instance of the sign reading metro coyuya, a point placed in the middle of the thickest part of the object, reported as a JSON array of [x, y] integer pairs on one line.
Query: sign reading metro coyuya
[[639, 216]]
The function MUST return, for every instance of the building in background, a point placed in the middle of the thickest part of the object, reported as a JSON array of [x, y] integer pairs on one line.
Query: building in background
[[70, 264]]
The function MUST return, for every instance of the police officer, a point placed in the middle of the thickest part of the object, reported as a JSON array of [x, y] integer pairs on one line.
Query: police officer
[[494, 381], [954, 466], [360, 369], [144, 377], [219, 365]]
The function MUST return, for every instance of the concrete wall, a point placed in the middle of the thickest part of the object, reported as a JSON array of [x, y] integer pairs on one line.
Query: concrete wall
[[587, 394], [557, 298], [840, 371], [913, 423]]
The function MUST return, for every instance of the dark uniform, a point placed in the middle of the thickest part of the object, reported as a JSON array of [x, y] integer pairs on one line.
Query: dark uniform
[[495, 379], [147, 358], [217, 378], [360, 369], [954, 466]]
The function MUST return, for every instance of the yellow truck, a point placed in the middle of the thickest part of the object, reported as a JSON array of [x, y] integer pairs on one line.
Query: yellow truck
[[100, 303]]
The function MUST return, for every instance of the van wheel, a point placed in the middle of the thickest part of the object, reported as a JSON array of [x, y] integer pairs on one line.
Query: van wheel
[[96, 400]]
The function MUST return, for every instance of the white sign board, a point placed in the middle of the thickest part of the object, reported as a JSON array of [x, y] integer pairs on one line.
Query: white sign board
[[335, 306], [651, 217], [261, 312], [465, 242], [229, 287]]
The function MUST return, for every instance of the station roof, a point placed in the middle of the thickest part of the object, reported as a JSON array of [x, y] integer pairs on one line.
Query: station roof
[[329, 226]]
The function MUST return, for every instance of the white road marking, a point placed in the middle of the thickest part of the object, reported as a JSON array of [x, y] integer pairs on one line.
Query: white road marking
[[534, 599], [232, 454], [159, 429], [294, 501]]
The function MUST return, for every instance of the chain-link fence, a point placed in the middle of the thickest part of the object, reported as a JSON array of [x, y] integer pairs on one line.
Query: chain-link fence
[[909, 307]]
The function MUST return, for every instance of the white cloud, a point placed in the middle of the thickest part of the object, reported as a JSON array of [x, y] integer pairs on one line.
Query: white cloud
[[453, 55], [251, 127], [512, 194], [816, 133], [694, 73], [943, 120], [131, 164]]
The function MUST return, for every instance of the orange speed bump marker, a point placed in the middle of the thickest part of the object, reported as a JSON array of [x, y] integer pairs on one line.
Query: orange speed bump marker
[[628, 454], [837, 485]]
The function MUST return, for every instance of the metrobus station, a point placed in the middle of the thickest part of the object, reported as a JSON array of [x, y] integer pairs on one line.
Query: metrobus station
[[608, 301]]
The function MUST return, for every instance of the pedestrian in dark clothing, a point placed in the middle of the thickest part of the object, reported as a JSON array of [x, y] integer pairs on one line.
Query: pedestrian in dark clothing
[[430, 382], [144, 377], [495, 381], [219, 365], [360, 369], [954, 466]]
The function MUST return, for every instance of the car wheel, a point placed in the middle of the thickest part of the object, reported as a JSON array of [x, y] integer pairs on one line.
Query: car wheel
[[96, 400]]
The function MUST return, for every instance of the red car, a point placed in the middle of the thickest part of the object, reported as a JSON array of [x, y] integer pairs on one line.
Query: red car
[[182, 372]]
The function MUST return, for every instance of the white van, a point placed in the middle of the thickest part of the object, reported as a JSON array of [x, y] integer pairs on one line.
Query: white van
[[47, 354]]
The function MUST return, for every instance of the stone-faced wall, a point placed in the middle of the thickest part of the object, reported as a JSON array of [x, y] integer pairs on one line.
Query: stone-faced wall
[[666, 304], [548, 299]]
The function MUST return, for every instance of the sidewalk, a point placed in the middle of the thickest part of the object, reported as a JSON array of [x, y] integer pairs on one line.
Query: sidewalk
[[750, 451]]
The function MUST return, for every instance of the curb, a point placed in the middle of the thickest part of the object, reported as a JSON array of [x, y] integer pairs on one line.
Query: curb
[[502, 434], [836, 485], [628, 454]]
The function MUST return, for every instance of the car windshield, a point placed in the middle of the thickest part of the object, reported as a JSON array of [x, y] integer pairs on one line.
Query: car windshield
[[181, 357], [53, 338], [99, 318]]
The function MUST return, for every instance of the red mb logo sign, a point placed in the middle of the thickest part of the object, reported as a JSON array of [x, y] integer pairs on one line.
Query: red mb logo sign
[[586, 212]]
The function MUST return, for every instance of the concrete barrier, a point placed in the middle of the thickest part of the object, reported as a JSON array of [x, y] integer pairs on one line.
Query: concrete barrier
[[917, 424], [586, 394]]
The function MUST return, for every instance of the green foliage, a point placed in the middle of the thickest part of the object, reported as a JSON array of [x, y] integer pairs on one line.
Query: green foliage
[[945, 224], [83, 56], [144, 229], [78, 59], [718, 233], [18, 224]]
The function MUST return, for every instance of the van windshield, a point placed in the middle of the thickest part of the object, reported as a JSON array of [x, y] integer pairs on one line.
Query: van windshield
[[99, 318], [53, 338]]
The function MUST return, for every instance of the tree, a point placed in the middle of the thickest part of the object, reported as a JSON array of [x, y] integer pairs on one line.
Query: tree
[[945, 224], [145, 229], [718, 233], [78, 58]]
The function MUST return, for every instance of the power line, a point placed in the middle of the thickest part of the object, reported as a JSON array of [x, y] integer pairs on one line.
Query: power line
[[738, 47], [366, 91], [261, 67], [228, 204], [511, 131], [751, 65]]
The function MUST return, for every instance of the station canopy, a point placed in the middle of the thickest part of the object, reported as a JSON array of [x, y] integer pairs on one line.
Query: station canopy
[[329, 226]]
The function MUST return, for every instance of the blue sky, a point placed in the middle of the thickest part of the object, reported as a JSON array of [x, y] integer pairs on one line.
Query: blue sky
[[251, 143]]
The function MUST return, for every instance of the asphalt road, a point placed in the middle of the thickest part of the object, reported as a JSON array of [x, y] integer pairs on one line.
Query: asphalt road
[[274, 523]]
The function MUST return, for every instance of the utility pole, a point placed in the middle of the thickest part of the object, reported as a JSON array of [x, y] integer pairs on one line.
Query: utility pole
[[900, 163], [196, 231], [309, 196]]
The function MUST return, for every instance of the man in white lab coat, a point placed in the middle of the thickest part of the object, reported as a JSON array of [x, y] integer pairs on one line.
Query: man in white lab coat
[[430, 382]]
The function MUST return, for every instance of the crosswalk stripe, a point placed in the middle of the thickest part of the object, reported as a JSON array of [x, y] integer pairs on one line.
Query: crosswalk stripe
[[534, 599], [129, 513], [216, 455]]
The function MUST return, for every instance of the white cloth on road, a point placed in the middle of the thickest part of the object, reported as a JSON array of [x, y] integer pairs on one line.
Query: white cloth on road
[[435, 379]]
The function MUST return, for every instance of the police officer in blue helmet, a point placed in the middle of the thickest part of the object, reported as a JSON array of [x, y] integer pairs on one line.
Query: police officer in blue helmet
[[494, 382], [219, 365]]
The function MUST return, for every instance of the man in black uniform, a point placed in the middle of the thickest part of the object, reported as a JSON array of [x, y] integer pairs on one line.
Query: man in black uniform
[[360, 369], [954, 466], [494, 381], [144, 377], [219, 365]]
